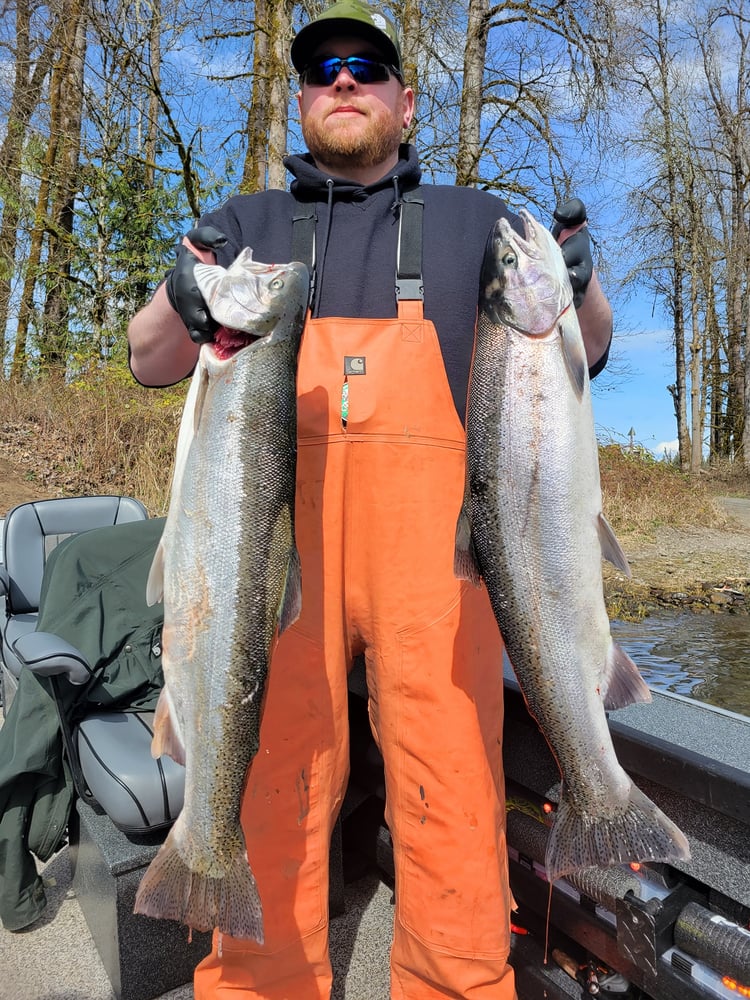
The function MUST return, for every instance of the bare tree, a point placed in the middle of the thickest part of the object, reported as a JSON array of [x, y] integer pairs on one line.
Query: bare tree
[[53, 222], [564, 46], [659, 208], [32, 58], [727, 106]]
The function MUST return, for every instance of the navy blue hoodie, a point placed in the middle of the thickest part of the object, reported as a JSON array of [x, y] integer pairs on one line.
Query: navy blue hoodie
[[356, 243]]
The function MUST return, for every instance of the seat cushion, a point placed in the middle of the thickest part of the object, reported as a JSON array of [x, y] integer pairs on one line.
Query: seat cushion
[[32, 531], [137, 792], [14, 628]]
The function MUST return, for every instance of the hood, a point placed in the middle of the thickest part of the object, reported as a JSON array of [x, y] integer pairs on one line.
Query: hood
[[311, 184]]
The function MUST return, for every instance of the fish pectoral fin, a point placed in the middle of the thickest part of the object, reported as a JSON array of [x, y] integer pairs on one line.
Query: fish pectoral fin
[[465, 562], [166, 738], [611, 549], [291, 598], [576, 365], [622, 683], [155, 581]]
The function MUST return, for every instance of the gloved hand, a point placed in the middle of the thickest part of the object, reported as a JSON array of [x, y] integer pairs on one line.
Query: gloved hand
[[182, 291], [576, 249]]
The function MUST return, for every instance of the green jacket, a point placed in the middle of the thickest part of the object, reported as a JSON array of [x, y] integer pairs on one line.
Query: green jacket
[[93, 595]]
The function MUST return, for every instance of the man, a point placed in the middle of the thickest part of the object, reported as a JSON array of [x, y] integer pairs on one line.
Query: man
[[381, 391]]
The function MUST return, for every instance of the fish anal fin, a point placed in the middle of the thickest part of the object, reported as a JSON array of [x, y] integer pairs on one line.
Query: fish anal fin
[[465, 563], [166, 739], [611, 549], [622, 683], [575, 360], [290, 606]]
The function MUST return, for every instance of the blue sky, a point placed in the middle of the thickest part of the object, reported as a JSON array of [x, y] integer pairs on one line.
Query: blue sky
[[639, 398]]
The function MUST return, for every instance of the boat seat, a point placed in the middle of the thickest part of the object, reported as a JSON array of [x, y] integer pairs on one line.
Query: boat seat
[[74, 581]]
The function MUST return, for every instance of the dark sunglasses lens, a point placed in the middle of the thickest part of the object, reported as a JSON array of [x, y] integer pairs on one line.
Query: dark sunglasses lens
[[323, 73]]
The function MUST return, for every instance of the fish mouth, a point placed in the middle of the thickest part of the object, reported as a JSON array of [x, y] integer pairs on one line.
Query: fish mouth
[[228, 343]]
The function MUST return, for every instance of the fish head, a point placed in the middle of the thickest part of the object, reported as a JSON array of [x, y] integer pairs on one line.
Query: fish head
[[252, 301], [524, 281]]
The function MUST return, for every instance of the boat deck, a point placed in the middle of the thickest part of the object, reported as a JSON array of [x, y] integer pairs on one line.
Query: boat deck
[[56, 959]]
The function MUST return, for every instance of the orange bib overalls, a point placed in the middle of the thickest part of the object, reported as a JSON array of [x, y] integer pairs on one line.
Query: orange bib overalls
[[378, 495]]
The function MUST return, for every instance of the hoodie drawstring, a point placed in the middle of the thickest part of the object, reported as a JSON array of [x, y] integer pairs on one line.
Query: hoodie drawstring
[[321, 262]]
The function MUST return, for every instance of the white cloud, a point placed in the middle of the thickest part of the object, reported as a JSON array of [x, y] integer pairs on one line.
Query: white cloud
[[666, 448]]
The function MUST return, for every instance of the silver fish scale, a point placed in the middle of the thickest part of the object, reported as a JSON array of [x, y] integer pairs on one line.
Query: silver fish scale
[[533, 506], [539, 556], [238, 497], [229, 555]]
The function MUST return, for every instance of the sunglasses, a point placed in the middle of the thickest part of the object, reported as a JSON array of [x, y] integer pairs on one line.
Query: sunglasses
[[325, 71]]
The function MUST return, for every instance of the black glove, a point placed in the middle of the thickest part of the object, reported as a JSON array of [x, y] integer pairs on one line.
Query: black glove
[[182, 291], [576, 250]]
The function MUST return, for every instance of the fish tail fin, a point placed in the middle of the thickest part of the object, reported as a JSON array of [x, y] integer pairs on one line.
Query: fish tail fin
[[622, 683], [465, 562], [171, 890], [291, 598], [639, 832]]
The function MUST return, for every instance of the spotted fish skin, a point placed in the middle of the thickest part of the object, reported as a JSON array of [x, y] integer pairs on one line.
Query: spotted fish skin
[[532, 528], [228, 572]]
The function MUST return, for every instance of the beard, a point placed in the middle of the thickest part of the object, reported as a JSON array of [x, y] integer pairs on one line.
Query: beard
[[340, 147]]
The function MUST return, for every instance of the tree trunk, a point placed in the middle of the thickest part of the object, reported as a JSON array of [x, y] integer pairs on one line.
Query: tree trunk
[[411, 28], [66, 112], [469, 129], [27, 86], [268, 118]]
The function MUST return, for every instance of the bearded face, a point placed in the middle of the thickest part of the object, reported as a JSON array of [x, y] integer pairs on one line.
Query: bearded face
[[350, 128], [343, 140]]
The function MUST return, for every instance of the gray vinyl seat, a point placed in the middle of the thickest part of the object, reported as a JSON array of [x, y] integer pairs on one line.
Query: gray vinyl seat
[[30, 533], [108, 750]]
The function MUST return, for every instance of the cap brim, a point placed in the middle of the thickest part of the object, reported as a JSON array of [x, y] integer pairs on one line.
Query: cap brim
[[310, 38]]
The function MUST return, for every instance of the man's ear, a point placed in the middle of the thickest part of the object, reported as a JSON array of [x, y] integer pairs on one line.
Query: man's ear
[[408, 96]]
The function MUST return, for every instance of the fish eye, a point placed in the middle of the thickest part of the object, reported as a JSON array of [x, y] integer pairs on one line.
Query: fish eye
[[509, 258], [277, 284]]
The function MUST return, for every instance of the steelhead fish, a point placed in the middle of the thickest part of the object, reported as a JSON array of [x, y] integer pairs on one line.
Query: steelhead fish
[[228, 571], [532, 527]]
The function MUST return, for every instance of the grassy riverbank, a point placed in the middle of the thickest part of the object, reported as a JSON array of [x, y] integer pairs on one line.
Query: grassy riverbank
[[686, 545]]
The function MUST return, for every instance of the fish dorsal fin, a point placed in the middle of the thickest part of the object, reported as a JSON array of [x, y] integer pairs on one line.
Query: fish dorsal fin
[[611, 549], [465, 562], [291, 598], [575, 359], [622, 683]]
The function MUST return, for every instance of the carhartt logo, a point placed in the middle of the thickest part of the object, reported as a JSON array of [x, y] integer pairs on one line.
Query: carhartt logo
[[354, 366]]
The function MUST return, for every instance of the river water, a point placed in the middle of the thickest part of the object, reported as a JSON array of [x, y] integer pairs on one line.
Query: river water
[[701, 656]]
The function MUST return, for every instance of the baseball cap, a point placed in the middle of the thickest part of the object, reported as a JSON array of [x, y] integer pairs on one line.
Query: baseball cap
[[348, 17]]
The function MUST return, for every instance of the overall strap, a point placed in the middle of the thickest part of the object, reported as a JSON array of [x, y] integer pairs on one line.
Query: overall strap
[[303, 239], [409, 283]]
